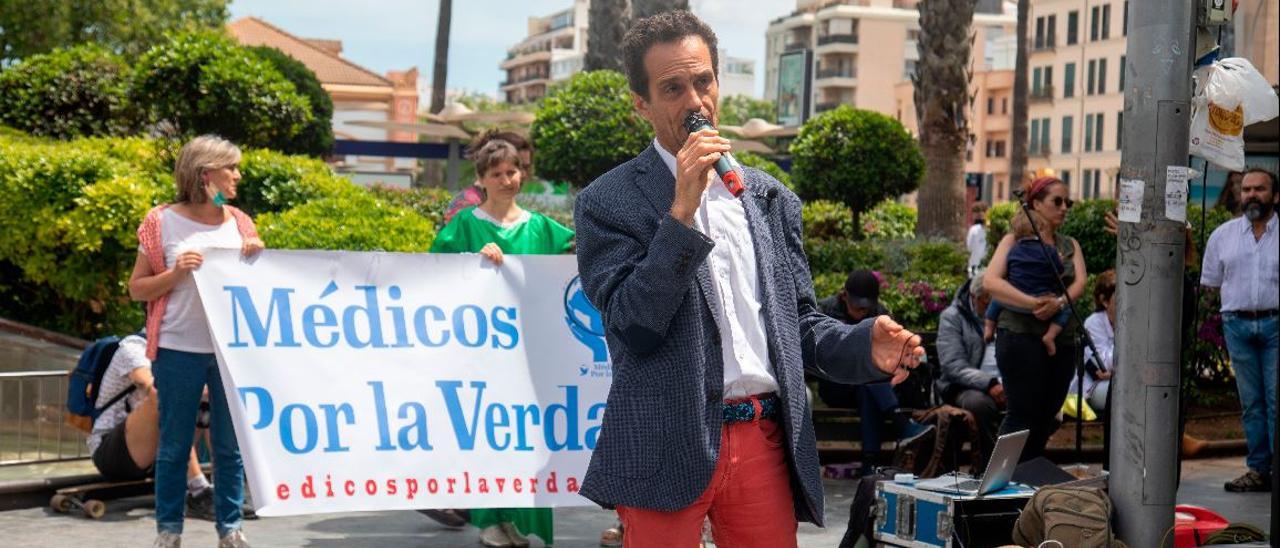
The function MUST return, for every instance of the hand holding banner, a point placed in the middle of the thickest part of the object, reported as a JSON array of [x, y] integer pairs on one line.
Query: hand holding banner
[[371, 381]]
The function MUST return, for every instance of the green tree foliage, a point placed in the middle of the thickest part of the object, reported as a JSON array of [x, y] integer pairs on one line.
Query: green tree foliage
[[355, 222], [67, 93], [889, 220], [1085, 222], [272, 182], [587, 127], [316, 136], [856, 157], [735, 110], [200, 83], [128, 27], [827, 220], [751, 159], [69, 212]]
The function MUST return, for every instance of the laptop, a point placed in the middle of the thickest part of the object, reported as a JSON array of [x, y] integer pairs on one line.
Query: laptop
[[1004, 459]]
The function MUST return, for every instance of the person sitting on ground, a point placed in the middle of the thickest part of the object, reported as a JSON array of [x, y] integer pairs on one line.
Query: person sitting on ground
[[123, 441], [1035, 269], [969, 377], [858, 300]]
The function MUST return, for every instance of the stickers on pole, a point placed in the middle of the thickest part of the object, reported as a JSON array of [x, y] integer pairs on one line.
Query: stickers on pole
[[1175, 193], [1131, 200]]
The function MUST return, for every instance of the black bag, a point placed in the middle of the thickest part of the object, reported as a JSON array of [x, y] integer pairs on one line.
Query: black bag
[[862, 520]]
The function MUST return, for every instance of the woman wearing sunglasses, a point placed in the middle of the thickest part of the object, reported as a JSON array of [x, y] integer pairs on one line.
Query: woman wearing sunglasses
[[1036, 381]]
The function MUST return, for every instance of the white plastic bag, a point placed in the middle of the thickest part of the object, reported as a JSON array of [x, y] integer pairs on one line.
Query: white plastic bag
[[1233, 96]]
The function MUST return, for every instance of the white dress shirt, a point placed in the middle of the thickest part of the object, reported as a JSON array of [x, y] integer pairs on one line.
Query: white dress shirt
[[744, 347], [1103, 335], [1246, 268], [976, 241]]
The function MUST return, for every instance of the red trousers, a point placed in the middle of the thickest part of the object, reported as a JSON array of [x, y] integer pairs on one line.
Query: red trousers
[[748, 499]]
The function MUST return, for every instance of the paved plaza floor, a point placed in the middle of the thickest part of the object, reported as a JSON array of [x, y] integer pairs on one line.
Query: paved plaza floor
[[130, 522]]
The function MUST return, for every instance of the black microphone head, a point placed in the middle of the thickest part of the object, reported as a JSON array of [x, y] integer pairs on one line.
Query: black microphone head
[[696, 121], [771, 193], [1018, 192]]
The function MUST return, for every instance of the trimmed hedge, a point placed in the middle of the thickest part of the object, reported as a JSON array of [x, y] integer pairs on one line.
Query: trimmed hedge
[[77, 92], [70, 210], [355, 222]]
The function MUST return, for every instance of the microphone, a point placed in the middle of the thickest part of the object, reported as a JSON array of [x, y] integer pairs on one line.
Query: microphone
[[726, 167], [1017, 193]]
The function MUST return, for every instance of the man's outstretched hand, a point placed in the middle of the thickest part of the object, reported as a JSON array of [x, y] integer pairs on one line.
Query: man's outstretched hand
[[894, 349]]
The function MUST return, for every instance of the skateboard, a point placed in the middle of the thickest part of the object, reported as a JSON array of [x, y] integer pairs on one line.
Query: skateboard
[[89, 498]]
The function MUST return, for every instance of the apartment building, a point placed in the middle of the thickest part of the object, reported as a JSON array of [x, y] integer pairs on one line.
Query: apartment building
[[552, 52], [832, 52], [1075, 112]]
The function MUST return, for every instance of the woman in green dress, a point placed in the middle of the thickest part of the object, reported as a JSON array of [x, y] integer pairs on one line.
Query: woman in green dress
[[496, 227]]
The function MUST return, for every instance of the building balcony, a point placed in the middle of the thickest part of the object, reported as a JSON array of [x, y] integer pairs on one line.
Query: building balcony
[[1044, 46], [825, 106], [824, 73], [795, 46], [1038, 153], [1044, 94], [526, 57], [838, 39]]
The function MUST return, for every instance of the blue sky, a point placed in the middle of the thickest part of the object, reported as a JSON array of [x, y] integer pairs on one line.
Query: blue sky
[[387, 35]]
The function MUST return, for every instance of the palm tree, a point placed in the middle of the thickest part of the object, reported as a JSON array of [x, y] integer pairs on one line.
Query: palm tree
[[441, 70], [1018, 148], [608, 22], [942, 99]]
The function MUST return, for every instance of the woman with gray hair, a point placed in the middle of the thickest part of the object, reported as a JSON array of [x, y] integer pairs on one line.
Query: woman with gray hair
[[179, 345]]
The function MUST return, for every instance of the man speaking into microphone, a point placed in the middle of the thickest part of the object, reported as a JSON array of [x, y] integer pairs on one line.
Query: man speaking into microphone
[[711, 321]]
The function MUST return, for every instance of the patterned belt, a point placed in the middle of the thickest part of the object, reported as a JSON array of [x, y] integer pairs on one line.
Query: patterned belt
[[744, 410], [1253, 314]]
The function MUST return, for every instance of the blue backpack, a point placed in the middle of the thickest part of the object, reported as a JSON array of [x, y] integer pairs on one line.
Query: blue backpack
[[85, 379]]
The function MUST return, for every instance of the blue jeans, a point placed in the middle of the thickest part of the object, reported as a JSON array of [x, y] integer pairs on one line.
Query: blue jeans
[[1253, 346], [180, 380]]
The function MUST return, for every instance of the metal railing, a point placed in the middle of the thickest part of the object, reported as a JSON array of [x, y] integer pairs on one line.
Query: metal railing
[[838, 39], [1044, 93], [33, 426], [837, 73]]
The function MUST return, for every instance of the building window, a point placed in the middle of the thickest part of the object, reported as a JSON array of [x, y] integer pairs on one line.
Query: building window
[[1120, 130], [1097, 136], [1091, 78], [1004, 105], [1124, 27], [1044, 136], [1066, 177], [1073, 27], [1084, 186], [1048, 80], [1122, 59], [1036, 77], [1102, 76], [991, 105], [1034, 149], [1094, 18], [1069, 80], [1051, 31], [1088, 133], [1039, 38], [1068, 123], [1106, 21]]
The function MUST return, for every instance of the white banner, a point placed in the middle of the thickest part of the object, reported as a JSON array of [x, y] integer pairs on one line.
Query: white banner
[[372, 381]]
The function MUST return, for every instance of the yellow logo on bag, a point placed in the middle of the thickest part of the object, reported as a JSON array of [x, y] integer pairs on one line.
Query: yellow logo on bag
[[1226, 122]]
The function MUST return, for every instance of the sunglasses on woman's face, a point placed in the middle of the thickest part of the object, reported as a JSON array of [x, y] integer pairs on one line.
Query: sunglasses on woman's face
[[1058, 201]]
